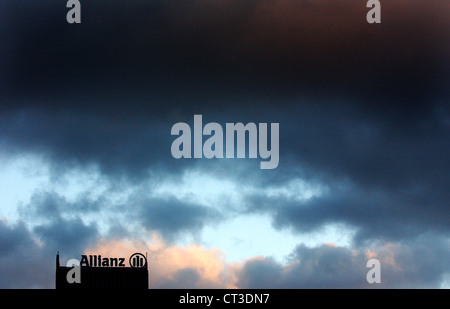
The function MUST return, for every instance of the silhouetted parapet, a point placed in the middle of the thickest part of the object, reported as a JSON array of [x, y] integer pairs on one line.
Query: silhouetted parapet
[[103, 277]]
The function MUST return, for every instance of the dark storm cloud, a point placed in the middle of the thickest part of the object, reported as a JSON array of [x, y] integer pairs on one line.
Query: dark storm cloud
[[127, 148], [373, 215], [164, 57], [167, 60], [385, 180], [420, 265], [364, 105]]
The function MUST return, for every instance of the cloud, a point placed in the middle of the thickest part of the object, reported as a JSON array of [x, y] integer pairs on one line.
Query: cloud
[[375, 214], [27, 262], [68, 235], [72, 140], [24, 263], [173, 217], [415, 264], [350, 99], [60, 224], [49, 205], [328, 266], [13, 237], [216, 50]]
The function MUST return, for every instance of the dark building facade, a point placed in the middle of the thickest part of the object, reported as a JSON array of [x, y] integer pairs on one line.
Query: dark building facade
[[104, 277]]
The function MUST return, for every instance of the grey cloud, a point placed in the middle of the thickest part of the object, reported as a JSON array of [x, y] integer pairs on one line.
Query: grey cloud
[[374, 214], [173, 217], [60, 222], [71, 236], [13, 238], [417, 264], [49, 205], [23, 263]]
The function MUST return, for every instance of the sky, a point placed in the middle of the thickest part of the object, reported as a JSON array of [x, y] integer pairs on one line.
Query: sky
[[86, 112]]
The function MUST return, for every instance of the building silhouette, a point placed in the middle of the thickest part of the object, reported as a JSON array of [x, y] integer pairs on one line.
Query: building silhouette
[[105, 277]]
